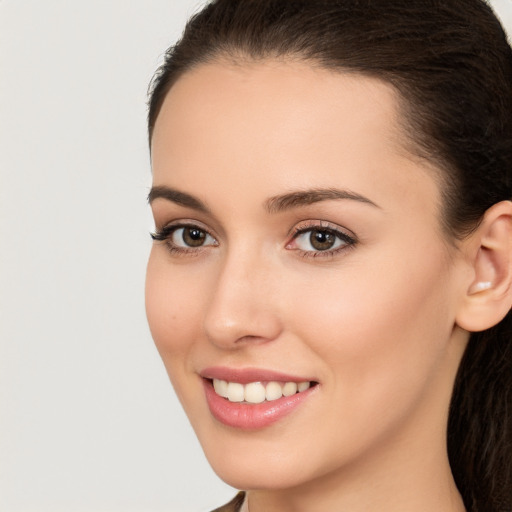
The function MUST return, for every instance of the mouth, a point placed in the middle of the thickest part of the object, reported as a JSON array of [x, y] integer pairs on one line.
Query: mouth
[[253, 399], [258, 392]]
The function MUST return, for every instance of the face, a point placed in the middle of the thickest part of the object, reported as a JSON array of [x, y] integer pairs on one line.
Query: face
[[300, 290]]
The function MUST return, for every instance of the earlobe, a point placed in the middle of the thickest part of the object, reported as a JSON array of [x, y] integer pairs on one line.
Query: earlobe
[[488, 297]]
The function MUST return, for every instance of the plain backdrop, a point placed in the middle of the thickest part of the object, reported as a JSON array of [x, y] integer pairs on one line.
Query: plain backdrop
[[88, 419]]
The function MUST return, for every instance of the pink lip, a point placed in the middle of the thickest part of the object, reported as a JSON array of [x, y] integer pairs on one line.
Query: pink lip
[[250, 416], [246, 375]]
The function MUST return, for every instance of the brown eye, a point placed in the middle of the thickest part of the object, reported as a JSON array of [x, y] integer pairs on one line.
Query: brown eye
[[185, 238], [322, 239], [190, 237], [319, 239], [193, 237]]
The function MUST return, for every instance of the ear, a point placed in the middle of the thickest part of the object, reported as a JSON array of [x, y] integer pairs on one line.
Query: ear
[[488, 294]]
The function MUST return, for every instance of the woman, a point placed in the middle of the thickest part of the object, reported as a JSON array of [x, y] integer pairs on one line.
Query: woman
[[331, 278]]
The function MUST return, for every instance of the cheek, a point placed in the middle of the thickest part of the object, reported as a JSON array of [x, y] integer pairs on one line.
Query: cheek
[[172, 307], [174, 310], [382, 329]]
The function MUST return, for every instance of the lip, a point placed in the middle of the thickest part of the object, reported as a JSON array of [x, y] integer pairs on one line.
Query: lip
[[246, 375], [246, 416]]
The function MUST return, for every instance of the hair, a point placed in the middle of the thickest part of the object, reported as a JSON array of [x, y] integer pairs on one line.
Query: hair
[[451, 64]]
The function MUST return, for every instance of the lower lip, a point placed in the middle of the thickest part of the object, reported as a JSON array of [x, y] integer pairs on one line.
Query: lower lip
[[252, 416]]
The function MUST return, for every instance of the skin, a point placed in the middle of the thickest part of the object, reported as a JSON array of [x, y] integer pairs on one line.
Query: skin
[[374, 324]]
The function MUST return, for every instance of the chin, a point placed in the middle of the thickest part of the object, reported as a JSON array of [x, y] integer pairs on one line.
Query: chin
[[265, 462], [246, 463], [247, 476]]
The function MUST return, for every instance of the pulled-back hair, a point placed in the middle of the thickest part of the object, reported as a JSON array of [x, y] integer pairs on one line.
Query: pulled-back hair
[[452, 66]]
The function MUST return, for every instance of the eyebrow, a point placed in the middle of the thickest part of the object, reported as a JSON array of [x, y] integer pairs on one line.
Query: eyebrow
[[275, 204], [178, 197], [306, 197]]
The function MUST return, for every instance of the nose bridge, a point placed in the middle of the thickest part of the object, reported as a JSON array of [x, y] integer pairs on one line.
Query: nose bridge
[[240, 307]]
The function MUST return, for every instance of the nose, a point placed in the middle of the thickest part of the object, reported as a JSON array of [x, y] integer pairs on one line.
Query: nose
[[242, 308]]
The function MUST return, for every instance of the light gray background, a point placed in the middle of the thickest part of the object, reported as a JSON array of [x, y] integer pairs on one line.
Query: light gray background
[[88, 420]]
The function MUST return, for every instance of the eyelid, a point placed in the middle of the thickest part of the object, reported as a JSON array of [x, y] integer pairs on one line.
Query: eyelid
[[165, 235], [308, 225], [348, 237], [168, 227]]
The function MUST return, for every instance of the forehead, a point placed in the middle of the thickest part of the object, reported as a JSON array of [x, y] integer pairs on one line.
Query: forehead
[[279, 94], [277, 125]]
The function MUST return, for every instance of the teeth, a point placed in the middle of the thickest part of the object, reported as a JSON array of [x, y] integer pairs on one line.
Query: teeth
[[273, 391], [235, 392], [256, 392], [303, 386], [221, 387], [290, 388]]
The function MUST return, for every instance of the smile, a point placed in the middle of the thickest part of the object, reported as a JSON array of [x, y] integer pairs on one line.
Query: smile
[[257, 392], [251, 399]]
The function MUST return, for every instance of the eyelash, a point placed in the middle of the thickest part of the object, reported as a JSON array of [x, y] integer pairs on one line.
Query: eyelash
[[349, 241], [165, 235]]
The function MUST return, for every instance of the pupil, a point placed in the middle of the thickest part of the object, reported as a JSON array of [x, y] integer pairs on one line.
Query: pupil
[[322, 240], [193, 237]]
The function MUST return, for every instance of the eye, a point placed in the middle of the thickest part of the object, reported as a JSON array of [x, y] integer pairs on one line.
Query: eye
[[191, 236], [184, 238], [319, 239]]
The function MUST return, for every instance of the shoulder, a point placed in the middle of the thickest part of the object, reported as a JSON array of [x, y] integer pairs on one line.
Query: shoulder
[[234, 505]]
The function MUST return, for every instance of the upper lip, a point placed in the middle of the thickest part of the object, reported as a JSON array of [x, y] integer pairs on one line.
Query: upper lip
[[246, 375]]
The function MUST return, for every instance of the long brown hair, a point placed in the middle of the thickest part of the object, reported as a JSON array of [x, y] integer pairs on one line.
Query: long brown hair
[[452, 65]]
